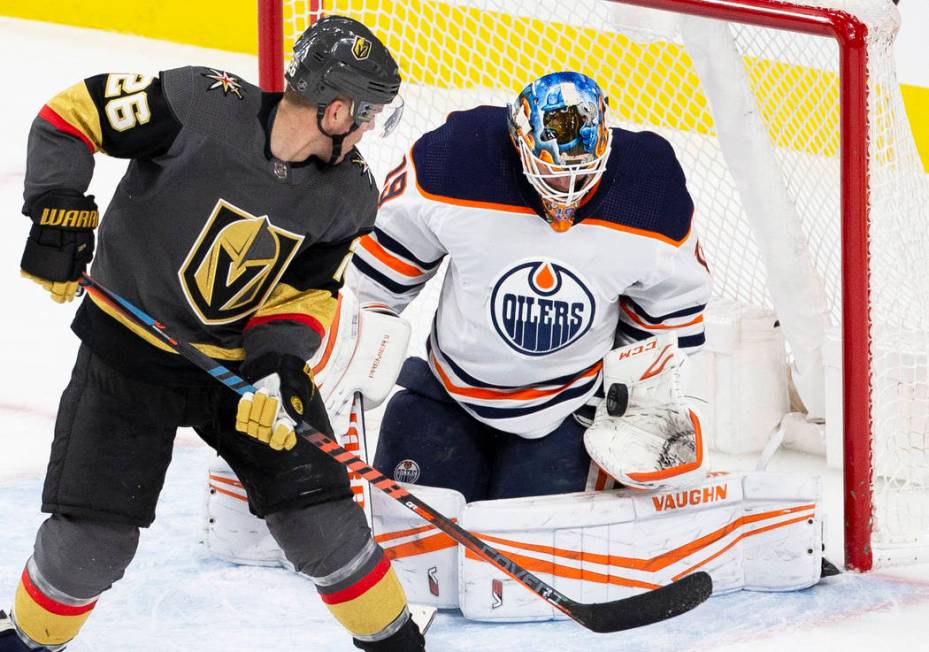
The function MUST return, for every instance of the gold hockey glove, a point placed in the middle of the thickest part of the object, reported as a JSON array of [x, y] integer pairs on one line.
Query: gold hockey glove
[[286, 395]]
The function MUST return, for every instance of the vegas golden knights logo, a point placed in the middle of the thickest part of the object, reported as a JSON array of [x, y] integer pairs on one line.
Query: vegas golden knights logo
[[361, 48], [234, 264]]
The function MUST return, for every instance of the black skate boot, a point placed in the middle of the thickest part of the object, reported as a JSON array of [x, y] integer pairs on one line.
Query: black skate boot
[[9, 640], [406, 639]]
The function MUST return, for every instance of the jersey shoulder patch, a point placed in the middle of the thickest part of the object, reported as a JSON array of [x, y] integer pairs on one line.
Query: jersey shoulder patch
[[470, 158], [202, 96], [644, 187]]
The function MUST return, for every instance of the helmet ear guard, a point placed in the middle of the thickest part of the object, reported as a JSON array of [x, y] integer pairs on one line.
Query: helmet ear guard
[[558, 125]]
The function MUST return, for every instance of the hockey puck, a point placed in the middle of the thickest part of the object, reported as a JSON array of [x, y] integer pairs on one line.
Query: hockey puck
[[617, 399]]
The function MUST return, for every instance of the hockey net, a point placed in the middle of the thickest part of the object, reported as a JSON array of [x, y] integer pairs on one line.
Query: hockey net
[[811, 199]]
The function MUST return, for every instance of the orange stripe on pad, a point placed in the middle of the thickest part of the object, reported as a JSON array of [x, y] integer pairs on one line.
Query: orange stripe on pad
[[229, 481], [661, 561], [226, 492], [557, 570], [761, 530], [434, 543]]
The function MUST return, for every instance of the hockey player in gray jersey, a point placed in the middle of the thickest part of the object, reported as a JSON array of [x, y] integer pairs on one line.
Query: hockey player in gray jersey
[[233, 223]]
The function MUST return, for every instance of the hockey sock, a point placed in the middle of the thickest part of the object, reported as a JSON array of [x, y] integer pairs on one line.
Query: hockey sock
[[44, 614], [368, 599]]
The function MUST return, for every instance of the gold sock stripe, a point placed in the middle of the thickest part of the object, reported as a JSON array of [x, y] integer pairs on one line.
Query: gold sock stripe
[[45, 620], [370, 611]]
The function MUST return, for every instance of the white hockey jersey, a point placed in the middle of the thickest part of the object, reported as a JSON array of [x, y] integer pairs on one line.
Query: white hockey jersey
[[527, 314]]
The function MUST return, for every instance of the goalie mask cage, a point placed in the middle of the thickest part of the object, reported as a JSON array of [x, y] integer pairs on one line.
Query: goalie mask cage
[[810, 196]]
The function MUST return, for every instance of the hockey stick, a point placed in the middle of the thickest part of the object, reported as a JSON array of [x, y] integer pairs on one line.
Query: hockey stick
[[626, 613]]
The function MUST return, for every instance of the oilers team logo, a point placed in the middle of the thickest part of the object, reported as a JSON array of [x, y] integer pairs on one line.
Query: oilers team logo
[[407, 471], [540, 306]]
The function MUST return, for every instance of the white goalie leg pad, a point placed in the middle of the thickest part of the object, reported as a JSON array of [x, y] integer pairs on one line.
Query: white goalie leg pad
[[233, 533], [758, 531], [423, 557], [644, 433]]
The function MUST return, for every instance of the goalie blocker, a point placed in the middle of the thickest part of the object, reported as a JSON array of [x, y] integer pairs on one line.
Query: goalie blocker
[[756, 531]]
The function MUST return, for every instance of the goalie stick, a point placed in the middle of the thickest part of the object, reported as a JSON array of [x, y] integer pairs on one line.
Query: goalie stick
[[626, 613]]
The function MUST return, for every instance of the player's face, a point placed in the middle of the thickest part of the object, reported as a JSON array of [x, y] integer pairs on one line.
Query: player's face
[[562, 183]]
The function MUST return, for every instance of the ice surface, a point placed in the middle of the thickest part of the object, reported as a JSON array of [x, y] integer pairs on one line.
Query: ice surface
[[174, 597]]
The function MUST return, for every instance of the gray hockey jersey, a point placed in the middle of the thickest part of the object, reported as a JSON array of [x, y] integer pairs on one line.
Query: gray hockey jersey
[[207, 231]]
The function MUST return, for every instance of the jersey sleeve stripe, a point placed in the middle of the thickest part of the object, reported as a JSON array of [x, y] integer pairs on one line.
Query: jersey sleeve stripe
[[638, 321], [371, 246], [75, 108], [48, 114], [381, 279], [685, 312], [692, 341], [300, 318], [634, 333], [589, 221], [314, 308], [395, 247]]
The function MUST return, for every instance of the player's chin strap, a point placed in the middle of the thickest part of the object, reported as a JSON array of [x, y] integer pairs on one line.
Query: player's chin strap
[[335, 138]]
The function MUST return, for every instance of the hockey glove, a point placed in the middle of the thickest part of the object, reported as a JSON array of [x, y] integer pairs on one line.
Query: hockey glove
[[61, 242], [286, 396], [645, 433]]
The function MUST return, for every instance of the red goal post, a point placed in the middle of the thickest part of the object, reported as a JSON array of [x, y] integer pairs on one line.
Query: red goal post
[[456, 33]]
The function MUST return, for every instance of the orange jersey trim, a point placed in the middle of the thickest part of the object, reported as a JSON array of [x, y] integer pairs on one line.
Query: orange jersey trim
[[374, 248], [508, 395], [657, 327], [654, 235], [469, 203]]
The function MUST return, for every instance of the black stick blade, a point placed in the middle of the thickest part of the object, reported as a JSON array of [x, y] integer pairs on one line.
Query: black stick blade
[[646, 608]]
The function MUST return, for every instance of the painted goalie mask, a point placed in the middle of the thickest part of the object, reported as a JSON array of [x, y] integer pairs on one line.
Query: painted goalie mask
[[558, 124]]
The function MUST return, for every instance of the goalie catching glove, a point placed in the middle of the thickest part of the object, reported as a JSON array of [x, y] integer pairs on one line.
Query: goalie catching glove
[[644, 434], [286, 396]]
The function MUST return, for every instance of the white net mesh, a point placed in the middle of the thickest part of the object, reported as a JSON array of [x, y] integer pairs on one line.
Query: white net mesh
[[459, 53]]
